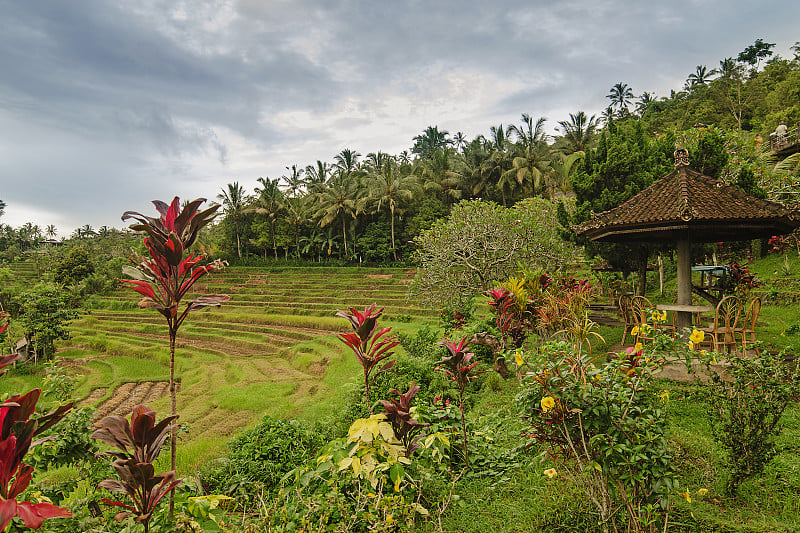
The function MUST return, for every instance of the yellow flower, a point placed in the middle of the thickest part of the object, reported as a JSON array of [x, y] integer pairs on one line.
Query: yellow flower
[[637, 347], [658, 316], [686, 495], [702, 492], [691, 345], [646, 329], [551, 473], [697, 336], [664, 395], [548, 403], [635, 331], [518, 358]]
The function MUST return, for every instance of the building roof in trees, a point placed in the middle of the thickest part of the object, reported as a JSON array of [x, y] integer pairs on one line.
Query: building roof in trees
[[687, 203]]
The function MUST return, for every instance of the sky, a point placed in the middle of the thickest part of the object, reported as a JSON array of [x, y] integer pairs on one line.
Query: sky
[[106, 105]]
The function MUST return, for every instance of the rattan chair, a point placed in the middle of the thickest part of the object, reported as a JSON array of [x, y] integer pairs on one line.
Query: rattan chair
[[747, 331], [723, 332]]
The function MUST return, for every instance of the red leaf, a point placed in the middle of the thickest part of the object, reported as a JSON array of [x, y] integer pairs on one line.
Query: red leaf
[[34, 514]]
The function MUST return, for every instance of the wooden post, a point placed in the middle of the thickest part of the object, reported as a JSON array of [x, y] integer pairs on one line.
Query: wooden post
[[684, 250]]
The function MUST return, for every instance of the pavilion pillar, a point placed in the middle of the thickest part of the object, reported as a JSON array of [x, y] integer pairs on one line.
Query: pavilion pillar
[[684, 249]]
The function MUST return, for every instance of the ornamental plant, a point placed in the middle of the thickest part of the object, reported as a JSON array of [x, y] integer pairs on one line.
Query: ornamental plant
[[745, 412], [167, 275], [17, 430], [458, 366], [139, 443], [369, 344], [399, 413], [605, 432]]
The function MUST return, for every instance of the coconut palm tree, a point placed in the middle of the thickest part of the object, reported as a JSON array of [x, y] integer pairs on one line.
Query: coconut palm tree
[[578, 132], [50, 231], [392, 190], [562, 168], [530, 162], [620, 96], [645, 99], [234, 202], [700, 76], [270, 202], [297, 213], [294, 181], [340, 200], [459, 140], [317, 175], [500, 161], [430, 140], [438, 175], [346, 161]]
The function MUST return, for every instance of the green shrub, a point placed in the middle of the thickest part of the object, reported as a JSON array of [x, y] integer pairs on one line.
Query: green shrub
[[260, 457], [746, 410]]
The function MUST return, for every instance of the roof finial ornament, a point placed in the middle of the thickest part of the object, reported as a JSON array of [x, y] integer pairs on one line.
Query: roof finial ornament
[[681, 156]]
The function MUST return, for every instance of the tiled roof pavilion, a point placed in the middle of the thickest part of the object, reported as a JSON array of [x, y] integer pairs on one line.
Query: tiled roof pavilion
[[687, 202], [684, 207]]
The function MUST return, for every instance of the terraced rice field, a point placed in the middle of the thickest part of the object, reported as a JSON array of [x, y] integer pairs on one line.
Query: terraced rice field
[[271, 350]]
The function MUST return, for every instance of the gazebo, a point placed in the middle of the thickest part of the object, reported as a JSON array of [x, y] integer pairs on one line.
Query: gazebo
[[685, 207]]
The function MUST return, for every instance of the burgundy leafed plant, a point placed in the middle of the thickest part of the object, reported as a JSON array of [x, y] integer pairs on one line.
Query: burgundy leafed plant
[[458, 365], [168, 274], [398, 413], [370, 347], [139, 442], [17, 430]]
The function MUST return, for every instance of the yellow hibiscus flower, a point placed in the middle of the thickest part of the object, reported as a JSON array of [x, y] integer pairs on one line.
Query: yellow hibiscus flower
[[550, 472], [697, 336], [548, 403]]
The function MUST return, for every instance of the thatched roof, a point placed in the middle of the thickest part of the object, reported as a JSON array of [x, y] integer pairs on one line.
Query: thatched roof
[[685, 202]]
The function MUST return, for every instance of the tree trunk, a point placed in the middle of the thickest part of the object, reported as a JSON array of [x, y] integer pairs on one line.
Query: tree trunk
[[494, 344], [394, 249], [274, 245], [173, 402], [344, 236]]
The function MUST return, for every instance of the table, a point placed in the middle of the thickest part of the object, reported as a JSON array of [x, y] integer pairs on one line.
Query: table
[[685, 312]]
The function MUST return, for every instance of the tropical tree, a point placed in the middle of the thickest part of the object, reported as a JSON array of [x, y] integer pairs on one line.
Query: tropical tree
[[270, 202], [753, 54], [430, 140], [459, 140], [701, 76], [530, 163], [234, 202], [346, 162], [391, 190], [620, 96], [50, 231], [578, 132], [643, 104], [316, 176], [340, 200], [2, 207], [500, 161], [437, 174], [297, 213], [607, 115], [294, 181]]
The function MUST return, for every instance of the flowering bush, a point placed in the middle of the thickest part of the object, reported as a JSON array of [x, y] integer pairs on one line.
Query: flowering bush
[[604, 431]]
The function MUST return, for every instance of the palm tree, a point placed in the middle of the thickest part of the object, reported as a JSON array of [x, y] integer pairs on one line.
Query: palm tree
[[50, 231], [530, 163], [620, 96], [563, 167], [437, 175], [459, 140], [317, 175], [392, 190], [578, 131], [500, 161], [607, 115], [270, 202], [430, 140], [728, 67], [700, 76], [340, 199], [346, 161], [644, 102], [294, 181], [297, 211], [234, 202]]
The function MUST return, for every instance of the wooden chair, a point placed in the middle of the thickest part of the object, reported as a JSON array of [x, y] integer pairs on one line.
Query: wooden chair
[[641, 308], [747, 331], [722, 332], [625, 314]]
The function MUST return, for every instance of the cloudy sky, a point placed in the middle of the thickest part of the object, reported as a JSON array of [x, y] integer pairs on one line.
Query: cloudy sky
[[107, 105]]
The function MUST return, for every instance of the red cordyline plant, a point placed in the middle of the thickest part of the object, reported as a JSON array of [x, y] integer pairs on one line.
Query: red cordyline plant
[[458, 365], [369, 346], [17, 430], [139, 442], [398, 413], [168, 274]]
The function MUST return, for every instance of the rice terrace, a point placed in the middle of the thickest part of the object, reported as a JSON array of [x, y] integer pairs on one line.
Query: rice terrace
[[583, 328]]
